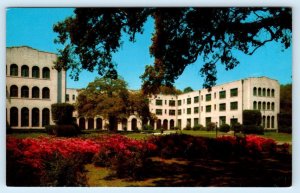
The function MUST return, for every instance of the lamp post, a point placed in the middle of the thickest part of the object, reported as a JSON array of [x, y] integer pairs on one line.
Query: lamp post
[[216, 129]]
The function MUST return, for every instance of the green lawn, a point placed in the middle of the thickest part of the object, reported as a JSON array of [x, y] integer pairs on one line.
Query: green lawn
[[279, 137]]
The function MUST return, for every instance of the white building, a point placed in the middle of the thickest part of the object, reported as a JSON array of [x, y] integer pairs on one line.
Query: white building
[[32, 85]]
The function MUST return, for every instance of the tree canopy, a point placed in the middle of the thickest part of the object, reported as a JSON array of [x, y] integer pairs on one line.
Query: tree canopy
[[188, 89], [181, 37]]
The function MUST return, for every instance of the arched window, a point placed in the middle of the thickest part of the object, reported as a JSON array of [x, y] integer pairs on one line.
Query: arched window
[[46, 73], [14, 70], [259, 91], [268, 106], [264, 106], [268, 121], [273, 93], [14, 117], [35, 92], [273, 106], [264, 92], [46, 93], [35, 117], [45, 117], [24, 92], [35, 72], [82, 123], [91, 123], [259, 105], [24, 117], [24, 71], [272, 121], [264, 121], [254, 105], [99, 123], [13, 91], [268, 92], [254, 91]]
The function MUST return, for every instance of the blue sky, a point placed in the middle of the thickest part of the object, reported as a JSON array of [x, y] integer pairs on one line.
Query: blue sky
[[33, 27]]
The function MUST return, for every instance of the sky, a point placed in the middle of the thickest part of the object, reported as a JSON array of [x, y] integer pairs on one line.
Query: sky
[[33, 27]]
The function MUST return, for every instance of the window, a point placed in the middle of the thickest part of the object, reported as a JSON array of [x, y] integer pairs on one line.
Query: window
[[259, 105], [165, 102], [158, 111], [259, 91], [222, 94], [273, 106], [171, 112], [14, 114], [13, 70], [208, 108], [35, 72], [179, 102], [273, 93], [268, 106], [208, 97], [268, 92], [45, 117], [196, 99], [73, 97], [207, 120], [222, 107], [188, 111], [233, 105], [25, 71], [268, 121], [188, 122], [264, 105], [222, 120], [46, 93], [254, 105], [264, 92], [188, 101], [165, 111], [35, 117], [215, 95], [272, 122], [254, 91], [234, 92], [179, 123], [196, 121], [171, 103], [67, 97], [24, 117], [201, 97], [24, 92], [179, 111], [13, 91], [201, 108], [35, 92], [196, 110], [46, 73], [158, 102]]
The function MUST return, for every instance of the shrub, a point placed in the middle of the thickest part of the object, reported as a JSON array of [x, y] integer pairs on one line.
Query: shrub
[[198, 127], [251, 117], [236, 127], [65, 130], [210, 126], [253, 129], [187, 127], [62, 113], [148, 128], [224, 128], [50, 129]]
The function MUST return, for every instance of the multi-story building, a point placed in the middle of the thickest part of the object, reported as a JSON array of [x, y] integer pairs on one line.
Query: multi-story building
[[32, 85], [221, 104]]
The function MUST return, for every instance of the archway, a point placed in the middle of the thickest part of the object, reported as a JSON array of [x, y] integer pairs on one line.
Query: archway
[[91, 123], [133, 124], [82, 123], [165, 124], [158, 124], [172, 124], [99, 123]]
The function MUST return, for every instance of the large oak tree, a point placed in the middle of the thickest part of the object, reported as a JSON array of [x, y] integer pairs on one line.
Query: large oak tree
[[181, 36]]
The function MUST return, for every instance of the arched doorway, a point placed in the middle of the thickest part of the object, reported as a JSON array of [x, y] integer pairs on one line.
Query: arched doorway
[[152, 123], [99, 123], [24, 117], [165, 124], [172, 124], [45, 117], [35, 117], [82, 123], [14, 117], [158, 124], [91, 123], [134, 124]]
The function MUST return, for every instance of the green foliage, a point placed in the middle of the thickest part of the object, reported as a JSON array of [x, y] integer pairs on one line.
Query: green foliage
[[181, 36], [65, 130], [251, 117], [198, 127], [224, 128], [62, 113], [188, 89], [210, 126], [148, 128], [187, 127], [236, 127], [50, 129], [285, 115], [285, 122], [253, 129]]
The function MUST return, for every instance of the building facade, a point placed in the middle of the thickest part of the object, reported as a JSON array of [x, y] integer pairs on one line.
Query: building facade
[[31, 87]]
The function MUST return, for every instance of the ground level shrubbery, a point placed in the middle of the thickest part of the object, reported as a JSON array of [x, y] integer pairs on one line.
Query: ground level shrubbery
[[51, 161]]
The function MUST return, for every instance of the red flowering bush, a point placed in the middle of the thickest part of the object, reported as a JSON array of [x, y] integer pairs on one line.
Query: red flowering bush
[[256, 144]]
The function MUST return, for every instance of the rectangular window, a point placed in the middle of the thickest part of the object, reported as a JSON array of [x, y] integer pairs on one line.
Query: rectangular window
[[215, 95], [73, 97], [165, 111], [233, 105], [222, 120], [196, 121], [201, 97], [222, 94], [171, 112], [196, 99], [188, 101], [233, 92], [179, 111], [158, 102], [165, 102], [188, 111], [196, 110], [179, 123], [67, 97], [179, 102], [171, 103], [208, 97], [208, 108], [188, 122], [201, 108], [222, 107], [207, 121], [158, 111]]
